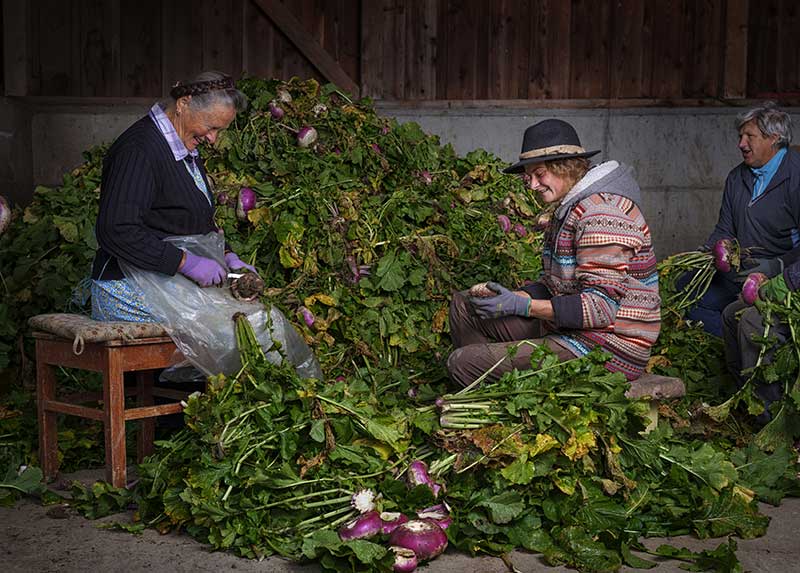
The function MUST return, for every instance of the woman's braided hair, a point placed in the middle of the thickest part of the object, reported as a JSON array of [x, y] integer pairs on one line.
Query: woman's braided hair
[[197, 88], [210, 88]]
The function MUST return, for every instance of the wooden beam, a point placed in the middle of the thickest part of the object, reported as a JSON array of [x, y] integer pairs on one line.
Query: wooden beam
[[16, 51], [286, 22], [735, 72]]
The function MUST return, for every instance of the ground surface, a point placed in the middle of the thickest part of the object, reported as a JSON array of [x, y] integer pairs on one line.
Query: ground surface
[[42, 539]]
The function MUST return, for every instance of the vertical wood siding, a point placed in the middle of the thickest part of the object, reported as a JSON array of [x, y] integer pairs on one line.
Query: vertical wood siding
[[420, 50]]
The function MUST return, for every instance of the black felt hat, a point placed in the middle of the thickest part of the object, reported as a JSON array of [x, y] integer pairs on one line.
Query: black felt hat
[[549, 140]]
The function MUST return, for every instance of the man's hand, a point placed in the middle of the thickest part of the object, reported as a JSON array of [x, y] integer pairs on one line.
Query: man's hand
[[506, 303], [234, 262], [768, 267]]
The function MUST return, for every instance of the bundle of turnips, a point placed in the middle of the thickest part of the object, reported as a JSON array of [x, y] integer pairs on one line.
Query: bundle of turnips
[[412, 541], [724, 257]]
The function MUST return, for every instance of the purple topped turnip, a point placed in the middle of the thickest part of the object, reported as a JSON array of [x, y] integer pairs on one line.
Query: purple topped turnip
[[306, 136], [245, 202], [520, 229], [275, 111], [391, 521], [723, 255], [405, 560], [308, 316], [223, 198], [418, 475], [426, 539], [439, 514], [751, 286], [504, 222], [364, 526]]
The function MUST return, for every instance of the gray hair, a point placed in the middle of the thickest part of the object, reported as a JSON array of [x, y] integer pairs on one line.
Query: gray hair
[[771, 120], [208, 89]]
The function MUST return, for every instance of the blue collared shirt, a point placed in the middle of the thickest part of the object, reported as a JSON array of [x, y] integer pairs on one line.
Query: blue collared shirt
[[178, 148], [168, 131], [763, 175]]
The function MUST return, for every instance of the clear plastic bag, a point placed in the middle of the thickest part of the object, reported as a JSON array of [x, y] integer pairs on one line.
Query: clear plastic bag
[[200, 320]]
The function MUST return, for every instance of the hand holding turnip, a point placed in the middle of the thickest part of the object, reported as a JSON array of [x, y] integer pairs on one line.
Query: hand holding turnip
[[505, 303], [480, 290]]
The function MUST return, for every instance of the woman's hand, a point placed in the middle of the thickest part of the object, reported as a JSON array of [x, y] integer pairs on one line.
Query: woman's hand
[[203, 271], [234, 262], [506, 303]]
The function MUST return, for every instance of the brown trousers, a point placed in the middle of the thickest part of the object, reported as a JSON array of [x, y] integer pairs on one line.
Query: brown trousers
[[481, 343]]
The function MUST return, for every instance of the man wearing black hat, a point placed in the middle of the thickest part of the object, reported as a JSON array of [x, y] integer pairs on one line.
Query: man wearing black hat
[[599, 285]]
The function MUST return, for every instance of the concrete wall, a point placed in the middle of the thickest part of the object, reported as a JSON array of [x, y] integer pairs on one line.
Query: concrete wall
[[681, 156]]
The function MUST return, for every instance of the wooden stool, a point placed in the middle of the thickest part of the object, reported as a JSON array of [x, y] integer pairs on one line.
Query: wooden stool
[[123, 351]]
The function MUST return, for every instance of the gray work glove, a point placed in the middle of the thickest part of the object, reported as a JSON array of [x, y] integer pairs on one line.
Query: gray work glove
[[769, 267], [506, 303]]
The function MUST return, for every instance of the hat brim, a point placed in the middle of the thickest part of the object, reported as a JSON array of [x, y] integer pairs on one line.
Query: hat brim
[[519, 166]]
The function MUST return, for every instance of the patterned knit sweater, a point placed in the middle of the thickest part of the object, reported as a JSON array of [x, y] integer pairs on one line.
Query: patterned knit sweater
[[600, 268]]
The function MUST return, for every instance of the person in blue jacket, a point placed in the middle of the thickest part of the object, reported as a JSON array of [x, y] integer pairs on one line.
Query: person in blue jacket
[[760, 209]]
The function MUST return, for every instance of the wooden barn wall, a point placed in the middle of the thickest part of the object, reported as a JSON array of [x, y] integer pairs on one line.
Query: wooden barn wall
[[424, 49]]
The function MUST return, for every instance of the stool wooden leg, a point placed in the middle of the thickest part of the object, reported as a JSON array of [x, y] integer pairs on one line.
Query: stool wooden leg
[[48, 433], [147, 428], [114, 419]]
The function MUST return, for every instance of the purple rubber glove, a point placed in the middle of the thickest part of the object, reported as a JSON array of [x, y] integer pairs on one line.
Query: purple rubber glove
[[506, 303], [203, 271], [234, 262]]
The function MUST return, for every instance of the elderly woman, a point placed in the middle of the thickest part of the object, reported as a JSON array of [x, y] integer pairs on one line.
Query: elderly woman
[[154, 185], [599, 286]]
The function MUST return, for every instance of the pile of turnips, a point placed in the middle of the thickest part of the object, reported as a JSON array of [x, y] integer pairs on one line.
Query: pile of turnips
[[413, 541]]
